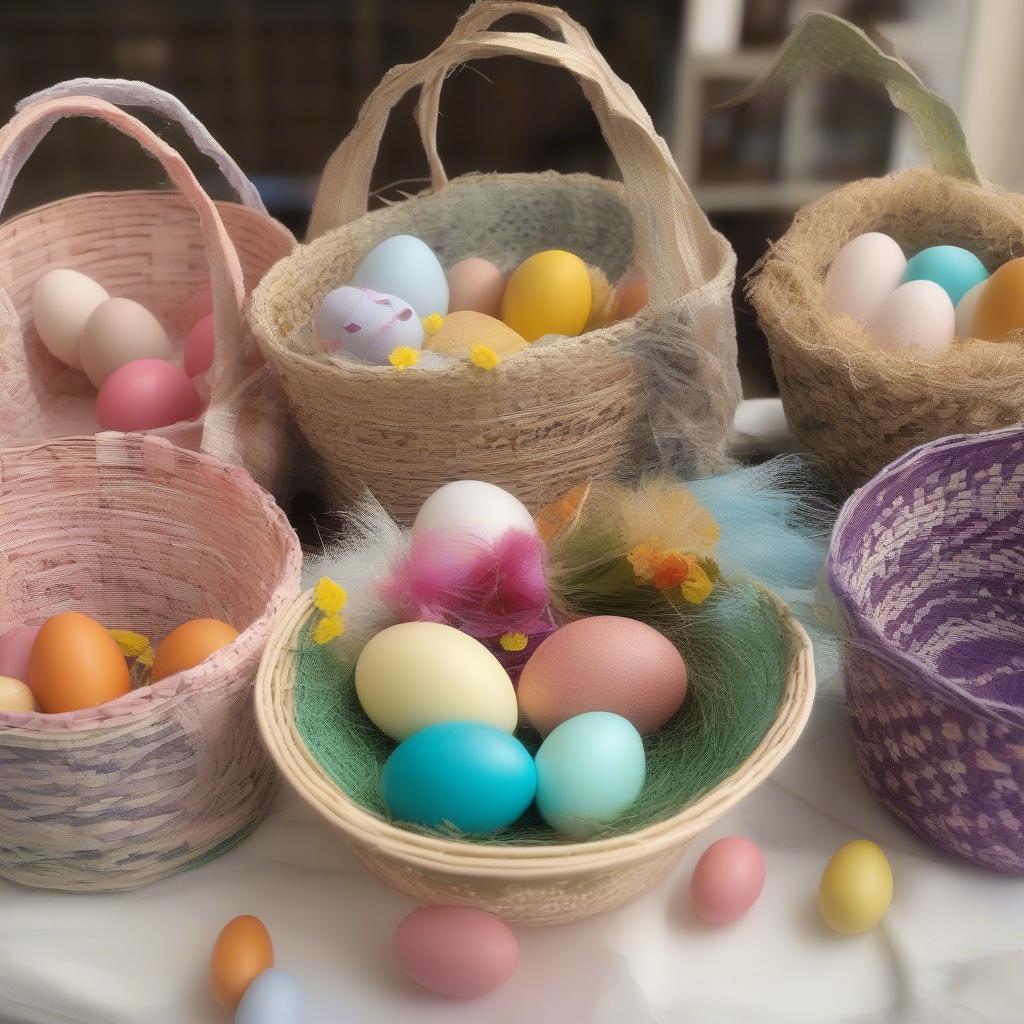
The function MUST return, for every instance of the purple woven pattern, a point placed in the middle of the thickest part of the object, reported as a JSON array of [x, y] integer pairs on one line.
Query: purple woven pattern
[[928, 561]]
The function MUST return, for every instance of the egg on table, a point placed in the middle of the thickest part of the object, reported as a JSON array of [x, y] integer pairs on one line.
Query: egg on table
[[1000, 306], [189, 645], [406, 267], [62, 302], [367, 325], [242, 952], [917, 316], [273, 997], [461, 331], [475, 285], [473, 508], [856, 888], [147, 394], [727, 880], [954, 269], [863, 274], [549, 293], [120, 331]]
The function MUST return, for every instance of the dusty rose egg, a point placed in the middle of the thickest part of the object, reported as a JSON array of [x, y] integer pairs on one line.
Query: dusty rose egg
[[475, 284], [199, 347], [15, 648], [456, 951], [727, 880], [146, 394]]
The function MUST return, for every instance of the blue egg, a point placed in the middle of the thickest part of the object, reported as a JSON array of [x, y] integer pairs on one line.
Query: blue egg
[[590, 771], [407, 267], [273, 997], [470, 775], [952, 268]]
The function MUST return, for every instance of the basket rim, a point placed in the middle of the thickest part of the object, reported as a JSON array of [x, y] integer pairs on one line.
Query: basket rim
[[276, 724]]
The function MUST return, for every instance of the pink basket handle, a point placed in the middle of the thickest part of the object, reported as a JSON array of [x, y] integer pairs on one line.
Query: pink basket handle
[[124, 93]]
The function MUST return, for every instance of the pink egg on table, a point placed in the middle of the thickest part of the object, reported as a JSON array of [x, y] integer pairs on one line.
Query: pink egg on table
[[476, 284], [15, 648], [456, 951], [727, 880], [199, 347], [199, 304], [146, 394]]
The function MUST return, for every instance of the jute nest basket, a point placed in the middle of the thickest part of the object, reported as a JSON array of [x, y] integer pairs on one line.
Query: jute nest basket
[[531, 885], [142, 536], [659, 388], [158, 248]]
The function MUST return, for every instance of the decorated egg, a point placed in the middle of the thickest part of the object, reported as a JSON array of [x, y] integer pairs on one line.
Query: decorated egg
[[862, 276], [1000, 306], [965, 311], [473, 508], [145, 395], [954, 269], [406, 267], [475, 285], [856, 888], [590, 771], [416, 674], [456, 951], [465, 774], [630, 299], [243, 950], [727, 880], [549, 293], [367, 325], [273, 997], [62, 302], [15, 695], [603, 663], [15, 649], [199, 346], [917, 316], [199, 304], [120, 331], [188, 645], [75, 663], [460, 332]]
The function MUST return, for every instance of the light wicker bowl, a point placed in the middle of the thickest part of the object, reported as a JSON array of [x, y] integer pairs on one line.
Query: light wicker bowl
[[530, 885]]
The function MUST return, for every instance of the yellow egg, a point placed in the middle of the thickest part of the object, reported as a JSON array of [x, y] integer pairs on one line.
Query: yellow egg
[[15, 695], [550, 293], [856, 888], [462, 330], [1000, 307]]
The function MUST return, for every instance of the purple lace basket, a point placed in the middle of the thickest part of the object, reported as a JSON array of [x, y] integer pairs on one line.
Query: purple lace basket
[[927, 559]]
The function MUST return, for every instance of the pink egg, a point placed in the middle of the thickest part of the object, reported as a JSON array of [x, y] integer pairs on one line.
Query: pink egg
[[477, 285], [15, 648], [456, 951], [146, 394], [727, 880], [199, 347], [199, 304]]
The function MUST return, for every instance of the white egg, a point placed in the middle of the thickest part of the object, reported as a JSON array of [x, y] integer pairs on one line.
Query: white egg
[[965, 309], [918, 315], [474, 508], [118, 332], [62, 301], [406, 266], [367, 325], [863, 275]]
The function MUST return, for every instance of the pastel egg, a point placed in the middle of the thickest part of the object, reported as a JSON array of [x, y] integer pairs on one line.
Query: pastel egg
[[15, 695], [145, 395], [243, 950], [456, 951], [475, 285], [603, 663], [630, 299], [199, 346], [863, 274], [727, 880], [954, 269], [406, 267], [273, 997], [590, 771], [189, 645], [856, 888], [917, 316], [461, 331], [471, 776], [367, 325], [120, 331], [62, 302], [1000, 307], [965, 310], [549, 293], [15, 649], [473, 508]]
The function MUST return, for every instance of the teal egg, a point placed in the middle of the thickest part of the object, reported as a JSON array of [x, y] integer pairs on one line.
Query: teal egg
[[406, 266], [590, 771], [466, 774], [273, 997], [952, 268]]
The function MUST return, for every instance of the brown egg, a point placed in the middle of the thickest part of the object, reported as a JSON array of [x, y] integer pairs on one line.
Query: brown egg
[[242, 950], [630, 300], [190, 644], [75, 663], [1000, 307], [461, 331]]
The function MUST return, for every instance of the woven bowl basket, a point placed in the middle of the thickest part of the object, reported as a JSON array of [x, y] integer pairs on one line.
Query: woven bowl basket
[[530, 885], [661, 387], [927, 561], [158, 248], [143, 536]]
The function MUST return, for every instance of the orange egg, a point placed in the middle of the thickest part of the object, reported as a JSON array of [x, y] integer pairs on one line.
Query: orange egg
[[630, 300], [1000, 307], [242, 950], [75, 663], [190, 644]]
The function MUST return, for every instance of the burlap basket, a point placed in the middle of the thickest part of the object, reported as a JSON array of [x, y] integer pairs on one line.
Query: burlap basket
[[659, 388], [143, 536], [855, 406], [158, 248], [531, 885]]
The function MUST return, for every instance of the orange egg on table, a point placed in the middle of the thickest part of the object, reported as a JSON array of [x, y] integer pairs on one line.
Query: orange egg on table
[[190, 644], [242, 951], [1000, 307], [630, 300], [75, 663]]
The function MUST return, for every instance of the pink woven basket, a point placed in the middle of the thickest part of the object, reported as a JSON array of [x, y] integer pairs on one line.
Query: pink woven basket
[[157, 248], [142, 535]]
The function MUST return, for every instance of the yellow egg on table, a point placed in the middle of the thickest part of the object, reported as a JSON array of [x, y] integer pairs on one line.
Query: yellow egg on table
[[462, 330], [1000, 306], [550, 293], [856, 888], [15, 695]]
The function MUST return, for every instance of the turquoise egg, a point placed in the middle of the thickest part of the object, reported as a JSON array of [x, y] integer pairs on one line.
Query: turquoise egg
[[952, 268], [467, 774], [590, 771], [273, 997], [405, 266]]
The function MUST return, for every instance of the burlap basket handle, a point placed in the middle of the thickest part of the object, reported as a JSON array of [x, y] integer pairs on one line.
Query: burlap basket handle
[[125, 93]]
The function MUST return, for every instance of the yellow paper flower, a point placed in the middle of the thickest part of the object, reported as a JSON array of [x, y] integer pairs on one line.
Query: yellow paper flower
[[514, 641], [329, 597], [484, 357], [329, 627], [403, 357], [432, 324], [133, 645], [644, 558], [697, 586]]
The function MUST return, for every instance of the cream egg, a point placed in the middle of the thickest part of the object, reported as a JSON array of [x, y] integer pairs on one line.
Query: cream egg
[[62, 302], [119, 331], [863, 274]]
